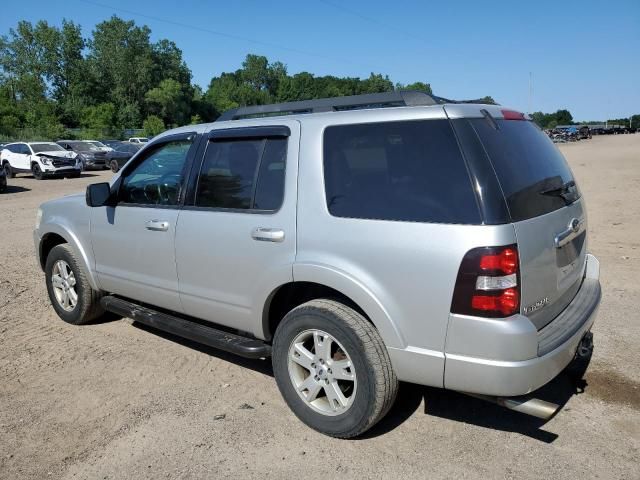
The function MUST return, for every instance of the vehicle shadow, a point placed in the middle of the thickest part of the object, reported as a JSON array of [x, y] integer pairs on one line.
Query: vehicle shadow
[[260, 366], [459, 407], [16, 189], [437, 402]]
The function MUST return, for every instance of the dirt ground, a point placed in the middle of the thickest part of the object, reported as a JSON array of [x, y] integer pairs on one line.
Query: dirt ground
[[114, 400]]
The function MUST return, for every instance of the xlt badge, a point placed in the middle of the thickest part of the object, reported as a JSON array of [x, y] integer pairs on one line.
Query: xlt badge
[[536, 306]]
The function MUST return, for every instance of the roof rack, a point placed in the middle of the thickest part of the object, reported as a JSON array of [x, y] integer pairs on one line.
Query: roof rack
[[409, 98]]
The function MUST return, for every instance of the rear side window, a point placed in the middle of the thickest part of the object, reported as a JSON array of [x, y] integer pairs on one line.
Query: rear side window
[[243, 174], [403, 171], [529, 167]]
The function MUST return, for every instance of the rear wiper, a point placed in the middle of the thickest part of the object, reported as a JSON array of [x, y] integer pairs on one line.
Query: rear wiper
[[562, 191]]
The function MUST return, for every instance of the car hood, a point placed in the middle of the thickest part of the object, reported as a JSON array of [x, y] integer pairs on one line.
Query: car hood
[[57, 154]]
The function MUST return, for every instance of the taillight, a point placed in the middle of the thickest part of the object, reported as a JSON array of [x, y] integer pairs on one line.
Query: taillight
[[488, 283], [513, 115]]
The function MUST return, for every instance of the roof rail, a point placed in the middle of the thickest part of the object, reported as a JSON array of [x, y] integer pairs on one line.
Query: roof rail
[[409, 98]]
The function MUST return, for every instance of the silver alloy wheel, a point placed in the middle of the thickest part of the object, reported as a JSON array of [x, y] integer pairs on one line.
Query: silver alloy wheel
[[322, 372], [64, 285]]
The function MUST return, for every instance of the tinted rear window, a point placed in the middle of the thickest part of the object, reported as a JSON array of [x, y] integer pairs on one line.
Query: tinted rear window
[[405, 171], [527, 163]]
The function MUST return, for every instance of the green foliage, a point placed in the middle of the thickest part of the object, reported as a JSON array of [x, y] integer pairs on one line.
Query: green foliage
[[54, 78], [552, 120], [152, 126], [421, 86]]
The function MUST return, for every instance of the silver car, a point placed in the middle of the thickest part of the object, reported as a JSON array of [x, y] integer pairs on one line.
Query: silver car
[[357, 241]]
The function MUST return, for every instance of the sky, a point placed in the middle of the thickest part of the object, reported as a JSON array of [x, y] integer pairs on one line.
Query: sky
[[580, 55]]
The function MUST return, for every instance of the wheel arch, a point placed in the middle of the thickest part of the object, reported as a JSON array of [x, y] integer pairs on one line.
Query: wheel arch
[[57, 235], [311, 282]]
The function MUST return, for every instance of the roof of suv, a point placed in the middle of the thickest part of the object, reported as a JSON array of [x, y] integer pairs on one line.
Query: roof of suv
[[353, 109]]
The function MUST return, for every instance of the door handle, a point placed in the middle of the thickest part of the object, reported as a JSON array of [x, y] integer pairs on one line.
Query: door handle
[[267, 234], [157, 226], [574, 229]]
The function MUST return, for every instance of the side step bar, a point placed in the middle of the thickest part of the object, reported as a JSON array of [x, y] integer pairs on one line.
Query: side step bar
[[229, 342]]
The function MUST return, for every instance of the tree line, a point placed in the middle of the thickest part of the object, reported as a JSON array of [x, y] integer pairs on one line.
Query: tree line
[[564, 117], [55, 82]]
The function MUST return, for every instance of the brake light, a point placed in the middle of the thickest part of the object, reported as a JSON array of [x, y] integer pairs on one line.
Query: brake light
[[513, 115], [506, 261], [506, 303], [488, 283]]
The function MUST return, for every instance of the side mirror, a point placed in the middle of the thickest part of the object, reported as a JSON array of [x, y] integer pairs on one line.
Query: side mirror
[[98, 195]]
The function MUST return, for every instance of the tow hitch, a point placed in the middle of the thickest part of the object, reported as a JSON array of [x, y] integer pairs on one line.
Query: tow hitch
[[585, 347]]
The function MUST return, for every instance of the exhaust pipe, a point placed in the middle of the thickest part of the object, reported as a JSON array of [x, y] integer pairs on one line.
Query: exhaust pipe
[[529, 406]]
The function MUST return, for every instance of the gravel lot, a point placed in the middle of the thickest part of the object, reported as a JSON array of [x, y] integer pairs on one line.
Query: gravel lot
[[114, 400]]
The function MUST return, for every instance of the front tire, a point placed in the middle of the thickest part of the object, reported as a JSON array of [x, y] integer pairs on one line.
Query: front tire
[[69, 289], [37, 171], [114, 166], [333, 369], [8, 171]]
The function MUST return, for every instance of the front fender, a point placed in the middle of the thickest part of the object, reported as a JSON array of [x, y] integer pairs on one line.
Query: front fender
[[356, 291], [81, 246]]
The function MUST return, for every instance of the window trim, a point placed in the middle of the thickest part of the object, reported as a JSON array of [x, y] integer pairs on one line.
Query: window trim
[[140, 156], [237, 134]]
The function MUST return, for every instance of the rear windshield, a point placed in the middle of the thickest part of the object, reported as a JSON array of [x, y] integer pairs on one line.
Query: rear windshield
[[403, 171], [533, 174]]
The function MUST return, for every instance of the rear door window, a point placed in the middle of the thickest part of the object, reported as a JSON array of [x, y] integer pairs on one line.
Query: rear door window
[[534, 176], [403, 171], [244, 174]]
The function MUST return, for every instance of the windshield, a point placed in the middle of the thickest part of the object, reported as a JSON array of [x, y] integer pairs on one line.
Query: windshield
[[98, 144], [84, 147], [534, 176], [46, 147]]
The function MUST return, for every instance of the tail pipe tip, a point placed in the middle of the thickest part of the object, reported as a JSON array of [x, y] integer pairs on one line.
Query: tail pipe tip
[[529, 406]]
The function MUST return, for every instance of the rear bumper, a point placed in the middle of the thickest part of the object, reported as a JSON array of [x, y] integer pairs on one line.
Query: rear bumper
[[510, 357]]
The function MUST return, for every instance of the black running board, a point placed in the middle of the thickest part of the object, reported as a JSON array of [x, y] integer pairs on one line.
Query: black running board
[[212, 337]]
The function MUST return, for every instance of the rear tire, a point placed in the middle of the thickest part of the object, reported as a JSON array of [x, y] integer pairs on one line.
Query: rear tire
[[64, 272], [37, 172], [8, 171], [347, 383]]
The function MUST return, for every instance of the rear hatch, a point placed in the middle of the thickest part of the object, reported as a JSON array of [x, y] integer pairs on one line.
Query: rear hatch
[[546, 210]]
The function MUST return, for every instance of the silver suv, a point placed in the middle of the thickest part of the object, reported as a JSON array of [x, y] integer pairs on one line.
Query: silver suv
[[357, 241]]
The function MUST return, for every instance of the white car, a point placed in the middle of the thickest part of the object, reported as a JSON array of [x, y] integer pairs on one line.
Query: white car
[[138, 140], [40, 159]]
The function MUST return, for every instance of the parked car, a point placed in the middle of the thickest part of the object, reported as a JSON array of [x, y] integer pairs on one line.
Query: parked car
[[110, 143], [100, 145], [93, 158], [120, 154], [3, 181], [437, 243], [138, 140], [41, 159]]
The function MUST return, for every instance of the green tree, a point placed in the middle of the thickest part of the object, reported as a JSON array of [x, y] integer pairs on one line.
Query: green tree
[[153, 125], [420, 86], [169, 102]]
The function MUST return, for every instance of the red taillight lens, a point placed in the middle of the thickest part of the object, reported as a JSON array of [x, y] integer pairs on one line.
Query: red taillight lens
[[513, 115], [488, 283], [507, 303], [506, 261]]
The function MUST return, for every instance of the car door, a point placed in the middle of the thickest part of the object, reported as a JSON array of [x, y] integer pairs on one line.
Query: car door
[[236, 235], [133, 242], [21, 160]]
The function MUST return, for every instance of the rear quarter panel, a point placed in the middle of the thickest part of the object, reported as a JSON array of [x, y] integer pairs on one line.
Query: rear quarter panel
[[401, 274]]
